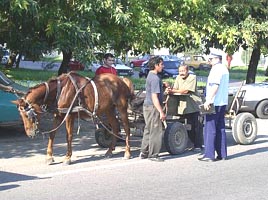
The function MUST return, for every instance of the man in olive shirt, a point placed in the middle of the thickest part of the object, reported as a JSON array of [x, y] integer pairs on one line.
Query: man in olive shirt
[[189, 102]]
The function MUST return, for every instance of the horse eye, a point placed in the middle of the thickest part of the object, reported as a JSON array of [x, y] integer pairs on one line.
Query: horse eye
[[26, 107]]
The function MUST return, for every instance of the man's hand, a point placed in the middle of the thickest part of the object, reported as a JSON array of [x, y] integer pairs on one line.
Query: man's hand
[[162, 116], [207, 105]]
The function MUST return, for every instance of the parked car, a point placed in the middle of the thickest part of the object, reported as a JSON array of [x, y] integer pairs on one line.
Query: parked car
[[170, 57], [75, 65], [254, 99], [5, 56], [121, 68], [9, 114], [197, 62], [170, 69], [138, 62]]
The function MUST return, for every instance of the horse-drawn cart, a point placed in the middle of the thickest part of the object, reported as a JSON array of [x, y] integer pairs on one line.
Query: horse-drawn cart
[[72, 96], [243, 124], [175, 139]]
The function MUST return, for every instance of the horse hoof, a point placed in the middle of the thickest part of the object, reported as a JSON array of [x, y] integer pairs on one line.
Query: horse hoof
[[67, 162], [108, 155], [127, 156], [49, 161]]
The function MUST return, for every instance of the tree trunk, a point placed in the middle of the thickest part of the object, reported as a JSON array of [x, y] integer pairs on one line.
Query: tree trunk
[[253, 64], [67, 55], [18, 61]]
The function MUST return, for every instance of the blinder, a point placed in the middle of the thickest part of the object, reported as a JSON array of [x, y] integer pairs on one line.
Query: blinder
[[31, 114]]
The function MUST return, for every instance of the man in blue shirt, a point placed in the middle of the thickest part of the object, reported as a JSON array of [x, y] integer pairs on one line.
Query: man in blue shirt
[[217, 94]]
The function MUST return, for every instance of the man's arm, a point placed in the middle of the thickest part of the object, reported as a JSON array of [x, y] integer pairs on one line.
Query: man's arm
[[158, 106], [211, 94], [5, 88], [185, 89]]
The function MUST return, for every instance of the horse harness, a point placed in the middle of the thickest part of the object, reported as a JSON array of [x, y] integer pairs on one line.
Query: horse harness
[[31, 113], [78, 90]]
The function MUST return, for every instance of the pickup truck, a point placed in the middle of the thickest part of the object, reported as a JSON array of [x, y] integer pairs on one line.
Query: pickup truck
[[197, 62]]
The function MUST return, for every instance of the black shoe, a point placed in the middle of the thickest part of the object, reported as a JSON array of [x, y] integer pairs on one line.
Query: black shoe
[[143, 156], [206, 159], [218, 158], [156, 159], [197, 150]]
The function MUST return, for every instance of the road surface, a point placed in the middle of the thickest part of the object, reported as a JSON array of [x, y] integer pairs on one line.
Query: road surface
[[24, 175]]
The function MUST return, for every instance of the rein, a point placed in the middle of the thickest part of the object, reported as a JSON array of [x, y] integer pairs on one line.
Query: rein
[[111, 132], [68, 111], [32, 114]]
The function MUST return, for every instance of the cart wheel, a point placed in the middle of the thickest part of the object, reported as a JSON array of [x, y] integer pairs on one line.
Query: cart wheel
[[245, 128], [262, 110], [175, 138], [103, 137]]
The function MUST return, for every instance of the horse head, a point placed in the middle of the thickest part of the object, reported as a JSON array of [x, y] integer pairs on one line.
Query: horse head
[[30, 116]]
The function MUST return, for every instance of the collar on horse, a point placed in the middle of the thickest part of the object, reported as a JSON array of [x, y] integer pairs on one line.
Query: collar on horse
[[79, 107], [31, 113], [78, 90]]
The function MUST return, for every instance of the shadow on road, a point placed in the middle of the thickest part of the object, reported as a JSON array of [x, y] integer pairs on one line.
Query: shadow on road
[[15, 144], [9, 177]]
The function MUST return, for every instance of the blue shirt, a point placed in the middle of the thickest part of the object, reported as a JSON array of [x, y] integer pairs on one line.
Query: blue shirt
[[219, 75]]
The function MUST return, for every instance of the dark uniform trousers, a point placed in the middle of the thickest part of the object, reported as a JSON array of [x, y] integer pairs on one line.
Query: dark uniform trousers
[[214, 134]]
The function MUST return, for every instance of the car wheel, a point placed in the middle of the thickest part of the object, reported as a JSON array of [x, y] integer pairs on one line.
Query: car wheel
[[201, 67], [191, 68], [262, 110], [245, 128], [4, 60], [146, 73]]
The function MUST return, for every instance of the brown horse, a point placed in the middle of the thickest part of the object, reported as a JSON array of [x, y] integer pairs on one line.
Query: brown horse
[[71, 95]]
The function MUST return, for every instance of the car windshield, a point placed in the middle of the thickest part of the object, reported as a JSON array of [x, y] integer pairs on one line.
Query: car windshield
[[199, 58], [171, 64], [119, 61]]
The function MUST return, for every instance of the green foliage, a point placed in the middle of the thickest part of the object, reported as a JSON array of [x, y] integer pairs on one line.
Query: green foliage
[[82, 27]]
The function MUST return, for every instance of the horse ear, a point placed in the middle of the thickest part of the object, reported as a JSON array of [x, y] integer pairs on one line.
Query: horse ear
[[16, 102]]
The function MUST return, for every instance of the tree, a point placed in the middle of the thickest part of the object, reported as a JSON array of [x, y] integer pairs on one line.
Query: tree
[[18, 29], [81, 27], [243, 23]]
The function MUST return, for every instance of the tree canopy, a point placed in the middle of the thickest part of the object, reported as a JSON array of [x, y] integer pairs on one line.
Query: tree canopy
[[81, 27]]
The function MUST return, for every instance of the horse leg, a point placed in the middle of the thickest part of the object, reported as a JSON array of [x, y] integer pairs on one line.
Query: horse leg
[[69, 139], [49, 157], [124, 118], [115, 128]]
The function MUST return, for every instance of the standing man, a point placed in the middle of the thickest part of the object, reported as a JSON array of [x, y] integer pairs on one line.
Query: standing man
[[107, 67], [217, 94], [153, 112], [189, 102]]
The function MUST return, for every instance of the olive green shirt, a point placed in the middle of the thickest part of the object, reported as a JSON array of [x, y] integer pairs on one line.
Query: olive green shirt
[[188, 103]]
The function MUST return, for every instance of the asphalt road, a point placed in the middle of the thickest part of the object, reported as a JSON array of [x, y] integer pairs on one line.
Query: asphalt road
[[24, 175]]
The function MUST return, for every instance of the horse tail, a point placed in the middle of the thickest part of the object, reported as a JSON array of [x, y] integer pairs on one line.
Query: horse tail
[[130, 86]]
